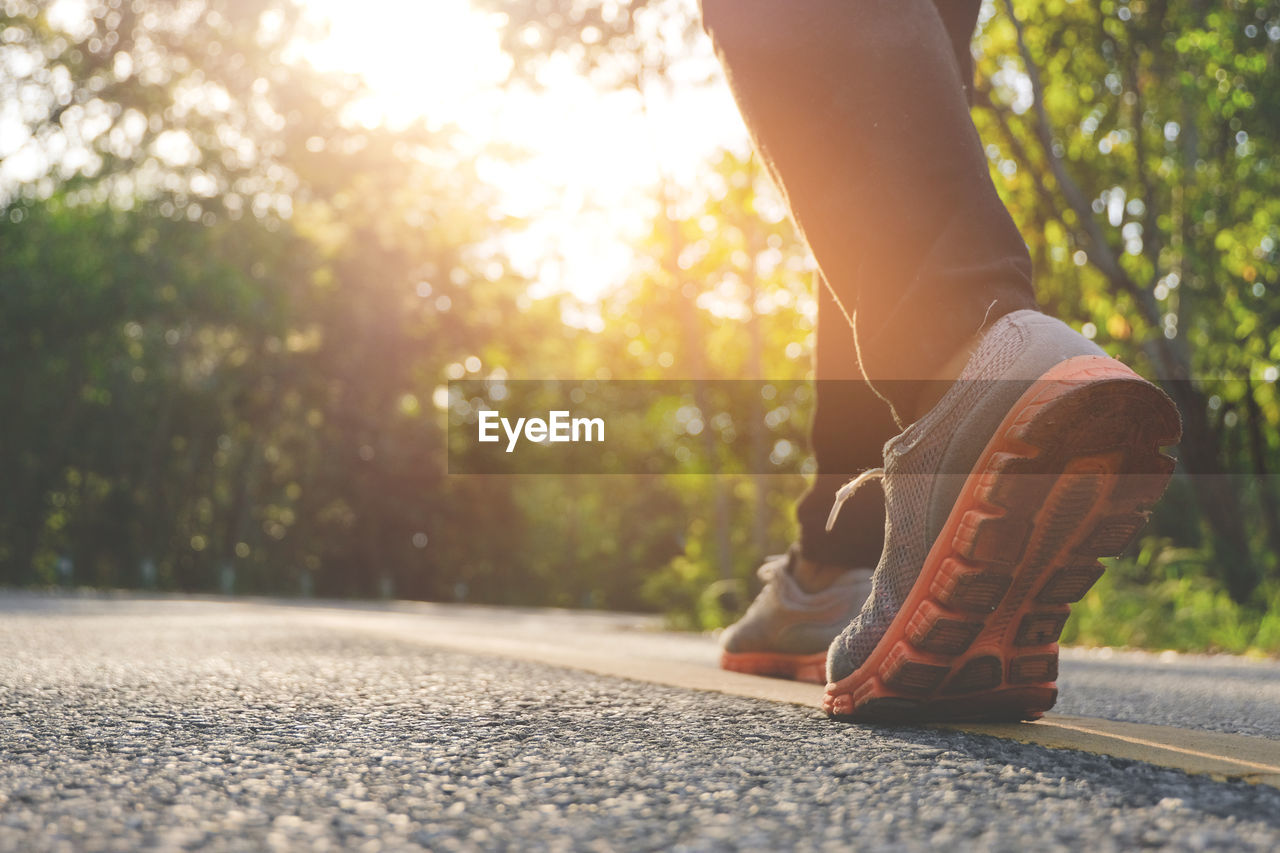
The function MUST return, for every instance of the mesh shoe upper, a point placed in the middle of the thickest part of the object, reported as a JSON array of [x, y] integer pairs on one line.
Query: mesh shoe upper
[[926, 466], [785, 619]]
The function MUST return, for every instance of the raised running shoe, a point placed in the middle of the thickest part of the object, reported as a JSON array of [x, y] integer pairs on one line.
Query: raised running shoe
[[1044, 456]]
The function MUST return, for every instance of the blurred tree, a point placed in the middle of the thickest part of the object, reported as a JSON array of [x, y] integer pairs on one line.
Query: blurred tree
[[195, 99], [645, 47], [618, 43], [722, 292], [1134, 142], [228, 312], [222, 365]]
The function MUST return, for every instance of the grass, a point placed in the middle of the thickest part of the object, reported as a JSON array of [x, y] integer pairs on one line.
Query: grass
[[1185, 612]]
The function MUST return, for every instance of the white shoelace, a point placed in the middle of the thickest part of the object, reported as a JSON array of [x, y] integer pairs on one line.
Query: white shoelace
[[847, 490]]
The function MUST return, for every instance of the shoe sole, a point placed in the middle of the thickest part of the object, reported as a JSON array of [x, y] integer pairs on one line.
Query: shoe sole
[[810, 668], [1069, 476]]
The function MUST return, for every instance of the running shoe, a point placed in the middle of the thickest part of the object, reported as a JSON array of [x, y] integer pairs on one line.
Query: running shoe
[[786, 632], [1043, 457]]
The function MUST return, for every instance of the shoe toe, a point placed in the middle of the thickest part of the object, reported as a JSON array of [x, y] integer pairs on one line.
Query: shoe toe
[[839, 663]]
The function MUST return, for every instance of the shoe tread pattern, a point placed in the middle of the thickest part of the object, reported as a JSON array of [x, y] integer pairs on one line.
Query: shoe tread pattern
[[1070, 476]]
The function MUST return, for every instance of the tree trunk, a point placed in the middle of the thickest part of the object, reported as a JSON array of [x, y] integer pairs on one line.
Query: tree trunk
[[1258, 451], [1216, 493], [1200, 451]]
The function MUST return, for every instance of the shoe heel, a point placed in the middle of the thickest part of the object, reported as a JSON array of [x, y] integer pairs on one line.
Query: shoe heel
[[1070, 476]]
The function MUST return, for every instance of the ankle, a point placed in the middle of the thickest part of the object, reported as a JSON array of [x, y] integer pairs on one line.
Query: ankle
[[935, 387], [815, 577]]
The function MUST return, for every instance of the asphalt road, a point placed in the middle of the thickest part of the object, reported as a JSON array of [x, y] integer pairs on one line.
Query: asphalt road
[[182, 725], [1216, 693]]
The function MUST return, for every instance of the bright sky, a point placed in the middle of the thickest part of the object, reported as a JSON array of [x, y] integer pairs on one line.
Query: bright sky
[[594, 155]]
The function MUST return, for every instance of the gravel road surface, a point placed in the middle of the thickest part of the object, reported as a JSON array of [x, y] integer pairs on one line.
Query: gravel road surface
[[1217, 693], [170, 725]]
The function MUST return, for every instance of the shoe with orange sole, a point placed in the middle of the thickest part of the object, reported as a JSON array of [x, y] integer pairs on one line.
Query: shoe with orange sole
[[1043, 457], [786, 632]]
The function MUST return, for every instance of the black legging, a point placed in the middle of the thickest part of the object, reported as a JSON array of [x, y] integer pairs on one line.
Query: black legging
[[859, 109]]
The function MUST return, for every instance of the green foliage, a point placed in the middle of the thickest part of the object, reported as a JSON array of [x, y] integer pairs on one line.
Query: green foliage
[[1186, 613], [236, 386], [228, 315], [1134, 143], [618, 44]]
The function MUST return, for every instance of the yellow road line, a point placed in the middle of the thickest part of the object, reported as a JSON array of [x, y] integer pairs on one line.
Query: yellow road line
[[630, 655], [1222, 756], [1061, 722]]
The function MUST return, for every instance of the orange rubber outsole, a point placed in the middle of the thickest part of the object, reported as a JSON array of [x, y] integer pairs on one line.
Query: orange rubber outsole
[[810, 668], [1069, 476]]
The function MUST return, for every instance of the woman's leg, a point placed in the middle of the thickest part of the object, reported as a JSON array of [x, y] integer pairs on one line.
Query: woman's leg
[[850, 423], [1044, 454], [849, 429], [859, 109]]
